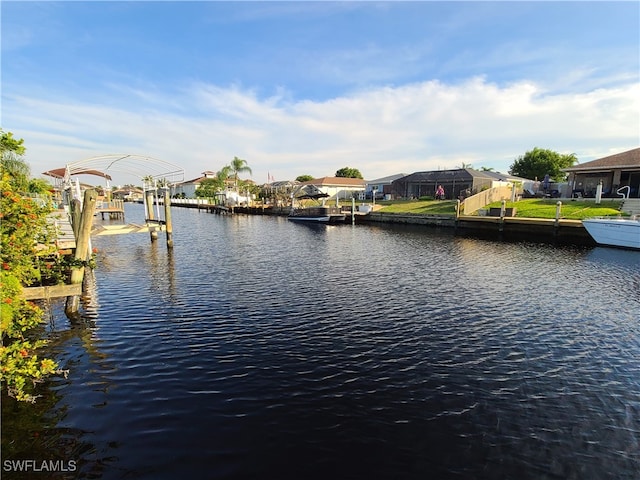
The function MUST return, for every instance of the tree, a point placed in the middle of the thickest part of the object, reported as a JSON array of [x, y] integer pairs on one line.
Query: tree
[[540, 162], [11, 162], [238, 165], [348, 172], [304, 178], [10, 144], [210, 186], [39, 186]]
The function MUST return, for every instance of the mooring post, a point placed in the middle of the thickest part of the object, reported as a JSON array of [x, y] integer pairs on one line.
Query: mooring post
[[167, 218], [353, 210], [150, 215], [85, 222], [76, 210]]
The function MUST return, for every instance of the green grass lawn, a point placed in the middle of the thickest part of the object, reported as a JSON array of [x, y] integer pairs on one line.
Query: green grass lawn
[[419, 207], [527, 208], [570, 209]]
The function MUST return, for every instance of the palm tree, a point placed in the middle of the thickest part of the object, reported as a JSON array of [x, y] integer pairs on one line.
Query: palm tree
[[237, 166], [222, 176]]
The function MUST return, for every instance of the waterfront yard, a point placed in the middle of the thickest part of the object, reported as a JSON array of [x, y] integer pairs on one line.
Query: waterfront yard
[[526, 208]]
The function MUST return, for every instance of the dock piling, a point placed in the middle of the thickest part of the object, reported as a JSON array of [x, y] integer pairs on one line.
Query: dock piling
[[150, 214], [84, 222], [167, 217]]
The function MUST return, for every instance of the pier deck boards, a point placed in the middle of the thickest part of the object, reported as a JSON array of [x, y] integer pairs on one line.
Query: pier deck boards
[[65, 238]]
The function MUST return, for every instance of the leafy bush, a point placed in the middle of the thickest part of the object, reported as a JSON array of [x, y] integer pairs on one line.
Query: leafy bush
[[23, 249]]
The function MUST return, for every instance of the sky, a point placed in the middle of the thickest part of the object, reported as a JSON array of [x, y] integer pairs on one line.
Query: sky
[[307, 88]]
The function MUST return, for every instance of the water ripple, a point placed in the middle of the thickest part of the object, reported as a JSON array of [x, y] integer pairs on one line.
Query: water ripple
[[259, 347]]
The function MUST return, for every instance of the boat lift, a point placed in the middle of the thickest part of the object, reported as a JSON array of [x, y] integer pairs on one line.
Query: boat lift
[[156, 176]]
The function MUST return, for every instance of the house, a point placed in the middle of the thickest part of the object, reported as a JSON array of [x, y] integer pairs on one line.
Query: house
[[615, 172], [338, 187], [128, 193], [188, 188], [457, 183], [382, 186]]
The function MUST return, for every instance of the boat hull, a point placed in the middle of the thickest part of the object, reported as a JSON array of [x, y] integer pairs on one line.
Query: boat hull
[[614, 232], [322, 214], [318, 218]]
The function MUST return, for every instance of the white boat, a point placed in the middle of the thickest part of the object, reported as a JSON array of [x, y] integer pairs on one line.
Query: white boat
[[614, 232]]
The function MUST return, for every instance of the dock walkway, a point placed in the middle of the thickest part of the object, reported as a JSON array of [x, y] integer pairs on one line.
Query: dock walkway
[[65, 238]]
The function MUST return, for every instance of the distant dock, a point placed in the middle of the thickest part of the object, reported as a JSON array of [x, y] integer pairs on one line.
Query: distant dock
[[113, 208]]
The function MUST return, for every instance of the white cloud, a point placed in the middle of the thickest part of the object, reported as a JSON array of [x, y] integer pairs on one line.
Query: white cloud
[[380, 131]]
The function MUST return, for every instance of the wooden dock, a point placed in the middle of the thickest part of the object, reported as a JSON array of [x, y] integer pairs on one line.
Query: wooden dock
[[65, 238], [114, 208], [65, 244], [101, 230]]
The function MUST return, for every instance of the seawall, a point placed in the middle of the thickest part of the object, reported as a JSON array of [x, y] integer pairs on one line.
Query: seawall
[[561, 231]]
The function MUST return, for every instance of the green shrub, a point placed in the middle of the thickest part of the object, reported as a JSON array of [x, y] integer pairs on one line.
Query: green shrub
[[24, 237]]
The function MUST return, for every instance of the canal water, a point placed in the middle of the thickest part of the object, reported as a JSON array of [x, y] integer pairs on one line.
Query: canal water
[[260, 348]]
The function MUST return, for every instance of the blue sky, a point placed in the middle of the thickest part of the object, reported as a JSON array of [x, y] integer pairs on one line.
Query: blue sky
[[310, 87]]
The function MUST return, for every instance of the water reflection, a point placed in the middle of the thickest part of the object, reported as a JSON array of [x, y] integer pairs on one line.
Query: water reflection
[[46, 431], [263, 348]]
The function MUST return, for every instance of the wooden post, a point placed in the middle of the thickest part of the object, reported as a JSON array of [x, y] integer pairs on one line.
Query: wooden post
[[76, 207], [353, 211], [82, 249], [150, 215], [167, 218]]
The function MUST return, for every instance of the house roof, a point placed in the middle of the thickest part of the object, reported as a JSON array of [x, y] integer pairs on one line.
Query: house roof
[[458, 174], [336, 182], [388, 179], [628, 159], [505, 177]]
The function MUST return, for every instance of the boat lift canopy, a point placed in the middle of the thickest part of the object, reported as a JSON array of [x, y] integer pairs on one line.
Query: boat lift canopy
[[308, 192], [142, 167]]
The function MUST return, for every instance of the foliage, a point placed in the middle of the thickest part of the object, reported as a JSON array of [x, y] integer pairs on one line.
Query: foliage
[[238, 165], [249, 186], [209, 187], [39, 186], [24, 255], [21, 225], [304, 178], [24, 233], [348, 172], [540, 162], [10, 144], [10, 162]]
